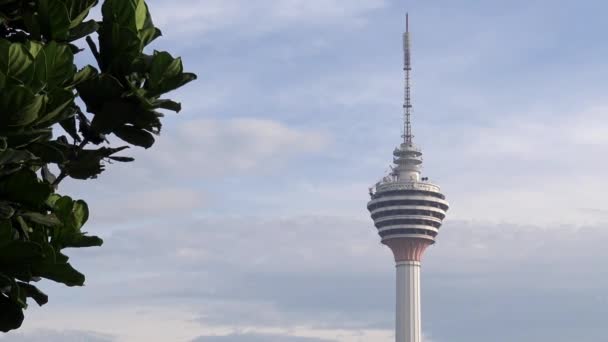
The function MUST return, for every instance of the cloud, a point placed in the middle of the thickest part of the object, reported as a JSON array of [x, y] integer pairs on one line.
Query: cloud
[[146, 204], [57, 336], [329, 274], [576, 132], [220, 148], [205, 16], [257, 338], [255, 225], [191, 166], [539, 161]]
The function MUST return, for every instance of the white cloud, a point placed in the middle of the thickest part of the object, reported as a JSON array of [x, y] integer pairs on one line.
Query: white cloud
[[269, 274], [173, 177], [562, 135], [254, 17], [348, 89], [145, 204], [257, 338], [47, 335], [327, 278], [228, 147], [541, 169]]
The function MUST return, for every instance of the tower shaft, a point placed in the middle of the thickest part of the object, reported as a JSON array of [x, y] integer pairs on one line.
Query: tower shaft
[[408, 254], [408, 326]]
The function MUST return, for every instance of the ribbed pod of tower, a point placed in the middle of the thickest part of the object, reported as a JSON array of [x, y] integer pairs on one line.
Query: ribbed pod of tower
[[407, 211]]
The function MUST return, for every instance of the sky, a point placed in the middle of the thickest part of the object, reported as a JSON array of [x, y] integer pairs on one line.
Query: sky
[[247, 221]]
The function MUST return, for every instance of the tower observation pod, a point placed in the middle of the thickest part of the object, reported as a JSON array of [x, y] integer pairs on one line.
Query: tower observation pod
[[408, 211]]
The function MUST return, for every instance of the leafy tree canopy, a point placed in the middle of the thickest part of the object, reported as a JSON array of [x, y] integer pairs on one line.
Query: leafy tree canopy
[[42, 88]]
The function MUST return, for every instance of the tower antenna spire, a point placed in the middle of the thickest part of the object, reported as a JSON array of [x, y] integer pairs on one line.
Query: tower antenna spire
[[407, 67]]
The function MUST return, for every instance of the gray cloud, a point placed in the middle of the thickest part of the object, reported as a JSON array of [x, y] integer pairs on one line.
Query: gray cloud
[[57, 336], [226, 147], [257, 338], [330, 273], [178, 238], [205, 16]]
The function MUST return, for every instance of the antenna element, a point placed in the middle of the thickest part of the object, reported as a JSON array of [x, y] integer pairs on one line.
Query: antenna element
[[407, 104]]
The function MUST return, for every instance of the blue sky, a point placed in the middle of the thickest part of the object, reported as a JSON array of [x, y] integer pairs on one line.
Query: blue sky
[[247, 221]]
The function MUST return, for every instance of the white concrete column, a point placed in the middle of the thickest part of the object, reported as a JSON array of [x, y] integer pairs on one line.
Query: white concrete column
[[408, 327]]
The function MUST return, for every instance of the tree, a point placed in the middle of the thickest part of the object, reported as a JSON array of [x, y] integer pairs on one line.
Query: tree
[[41, 88]]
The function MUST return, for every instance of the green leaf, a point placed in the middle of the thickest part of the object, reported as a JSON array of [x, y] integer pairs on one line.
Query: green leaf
[[48, 220], [11, 156], [39, 76], [119, 48], [84, 168], [24, 186], [141, 14], [58, 101], [135, 136], [60, 64], [62, 207], [89, 162], [11, 314], [80, 213], [84, 74], [23, 228], [19, 106], [31, 21], [97, 91], [48, 152], [148, 32], [8, 2], [126, 13], [6, 228], [122, 159], [52, 200], [83, 30], [54, 18], [49, 253], [82, 241], [6, 211], [23, 138], [113, 115], [148, 35], [34, 48], [78, 10], [168, 104], [126, 29], [33, 292], [163, 67], [61, 258], [69, 125], [15, 61], [18, 296], [61, 273], [5, 171], [19, 252], [5, 283]]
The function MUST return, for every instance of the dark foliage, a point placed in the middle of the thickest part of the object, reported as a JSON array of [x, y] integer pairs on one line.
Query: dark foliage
[[39, 88]]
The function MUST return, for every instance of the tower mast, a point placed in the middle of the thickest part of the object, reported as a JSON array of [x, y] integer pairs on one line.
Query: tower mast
[[407, 67]]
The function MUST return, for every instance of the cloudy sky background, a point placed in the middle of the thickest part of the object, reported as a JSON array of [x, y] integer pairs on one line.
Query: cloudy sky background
[[247, 221]]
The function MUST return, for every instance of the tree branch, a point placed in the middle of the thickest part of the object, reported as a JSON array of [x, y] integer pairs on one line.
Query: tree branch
[[94, 50], [64, 174]]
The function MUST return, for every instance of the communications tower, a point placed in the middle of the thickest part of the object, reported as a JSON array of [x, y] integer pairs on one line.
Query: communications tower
[[407, 211]]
